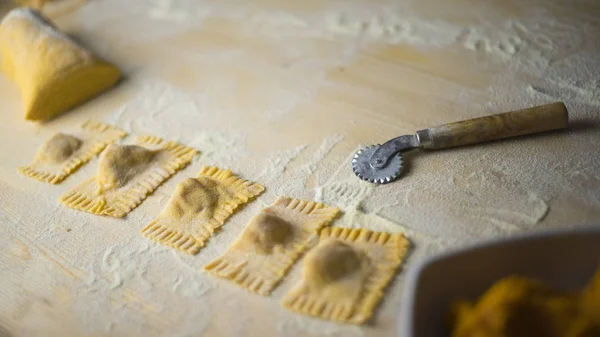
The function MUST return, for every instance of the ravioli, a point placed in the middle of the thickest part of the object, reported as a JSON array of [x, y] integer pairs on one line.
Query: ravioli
[[344, 276], [64, 153], [127, 174], [271, 243], [198, 207]]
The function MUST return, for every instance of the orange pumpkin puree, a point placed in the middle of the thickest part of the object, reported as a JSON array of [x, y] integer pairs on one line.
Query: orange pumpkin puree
[[520, 307]]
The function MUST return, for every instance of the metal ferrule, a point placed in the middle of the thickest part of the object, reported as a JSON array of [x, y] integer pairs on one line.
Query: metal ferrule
[[424, 137]]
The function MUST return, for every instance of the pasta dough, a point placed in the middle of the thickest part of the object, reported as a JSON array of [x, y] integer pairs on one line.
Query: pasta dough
[[127, 174], [198, 207], [64, 153], [344, 276], [52, 71], [271, 243]]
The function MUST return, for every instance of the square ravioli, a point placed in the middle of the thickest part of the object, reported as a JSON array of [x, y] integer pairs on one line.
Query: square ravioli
[[344, 276], [198, 207], [127, 174], [271, 243], [64, 153]]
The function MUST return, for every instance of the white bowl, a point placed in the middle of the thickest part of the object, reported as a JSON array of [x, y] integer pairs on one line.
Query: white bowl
[[566, 259]]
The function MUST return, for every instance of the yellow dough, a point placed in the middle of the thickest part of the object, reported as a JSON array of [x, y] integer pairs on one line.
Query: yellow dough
[[271, 243], [53, 72], [344, 276], [63, 154], [198, 207], [127, 174]]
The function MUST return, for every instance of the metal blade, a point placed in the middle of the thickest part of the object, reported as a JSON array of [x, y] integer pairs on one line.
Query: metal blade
[[362, 167], [385, 152]]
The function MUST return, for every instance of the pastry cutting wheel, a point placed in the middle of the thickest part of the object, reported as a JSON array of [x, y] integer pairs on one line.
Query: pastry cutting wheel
[[381, 164]]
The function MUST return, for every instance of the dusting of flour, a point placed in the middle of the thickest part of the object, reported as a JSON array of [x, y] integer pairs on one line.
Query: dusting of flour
[[123, 284]]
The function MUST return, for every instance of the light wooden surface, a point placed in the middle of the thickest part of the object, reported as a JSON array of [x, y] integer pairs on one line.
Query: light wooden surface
[[241, 81]]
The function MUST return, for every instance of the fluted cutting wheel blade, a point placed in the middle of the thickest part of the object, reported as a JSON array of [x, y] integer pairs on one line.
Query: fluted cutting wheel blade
[[363, 169]]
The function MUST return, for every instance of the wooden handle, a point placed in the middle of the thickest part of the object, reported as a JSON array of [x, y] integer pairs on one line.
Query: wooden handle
[[509, 124]]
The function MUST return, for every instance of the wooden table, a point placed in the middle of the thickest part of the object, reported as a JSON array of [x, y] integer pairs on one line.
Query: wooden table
[[284, 93]]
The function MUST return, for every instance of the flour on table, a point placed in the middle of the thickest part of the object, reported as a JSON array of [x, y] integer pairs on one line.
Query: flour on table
[[292, 324], [168, 10], [158, 100], [277, 163], [161, 101], [561, 89], [348, 194], [125, 285], [326, 147], [114, 272], [223, 148]]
